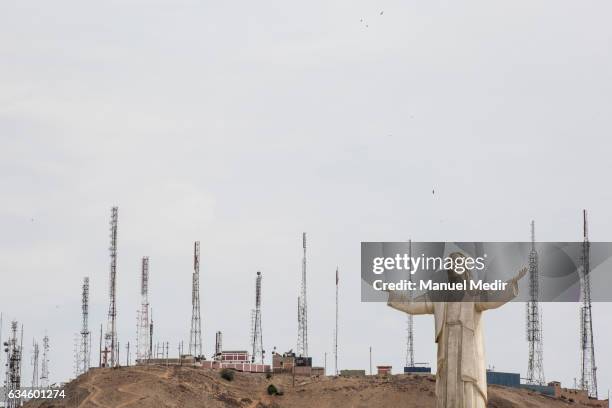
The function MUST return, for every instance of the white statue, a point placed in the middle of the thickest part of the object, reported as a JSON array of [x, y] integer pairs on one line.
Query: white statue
[[461, 380]]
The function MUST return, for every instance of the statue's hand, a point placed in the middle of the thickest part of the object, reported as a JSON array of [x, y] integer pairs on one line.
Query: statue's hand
[[521, 273]]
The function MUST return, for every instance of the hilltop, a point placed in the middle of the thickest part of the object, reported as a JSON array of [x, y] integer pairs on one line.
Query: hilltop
[[189, 387]]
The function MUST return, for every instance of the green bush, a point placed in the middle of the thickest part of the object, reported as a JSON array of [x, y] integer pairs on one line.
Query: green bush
[[227, 374], [272, 390]]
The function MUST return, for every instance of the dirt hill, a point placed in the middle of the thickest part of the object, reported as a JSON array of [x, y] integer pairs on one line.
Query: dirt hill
[[187, 387]]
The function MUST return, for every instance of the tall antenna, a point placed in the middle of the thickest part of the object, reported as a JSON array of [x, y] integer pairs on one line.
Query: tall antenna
[[35, 353], [302, 343], [151, 335], [410, 322], [256, 336], [110, 345], [142, 345], [14, 351], [195, 336], [336, 331], [85, 349], [588, 369], [44, 376], [535, 366], [218, 345]]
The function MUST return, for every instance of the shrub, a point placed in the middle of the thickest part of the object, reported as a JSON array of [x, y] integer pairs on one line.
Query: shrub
[[268, 375], [227, 374], [272, 390]]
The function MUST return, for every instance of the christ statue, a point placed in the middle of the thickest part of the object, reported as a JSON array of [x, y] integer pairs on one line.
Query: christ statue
[[461, 380]]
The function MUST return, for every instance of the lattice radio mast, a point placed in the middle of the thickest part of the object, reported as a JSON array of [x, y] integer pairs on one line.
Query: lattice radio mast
[[14, 352], [588, 369], [85, 346], [142, 346], [535, 366], [302, 343], [410, 322], [336, 330], [35, 353], [195, 336], [218, 345], [256, 333], [110, 344], [44, 375]]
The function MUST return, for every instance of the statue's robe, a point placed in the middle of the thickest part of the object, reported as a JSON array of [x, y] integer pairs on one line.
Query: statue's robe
[[461, 377]]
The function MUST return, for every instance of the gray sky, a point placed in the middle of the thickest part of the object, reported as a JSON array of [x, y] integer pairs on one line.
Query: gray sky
[[242, 124]]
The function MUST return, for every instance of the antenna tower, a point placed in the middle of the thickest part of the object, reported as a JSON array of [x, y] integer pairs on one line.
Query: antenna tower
[[111, 351], [302, 343], [256, 337], [218, 345], [85, 346], [142, 346], [336, 330], [535, 366], [44, 376], [35, 353], [13, 349], [195, 336], [588, 369], [410, 322]]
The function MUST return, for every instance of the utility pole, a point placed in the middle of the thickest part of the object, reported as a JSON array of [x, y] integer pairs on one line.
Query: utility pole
[[195, 335], [111, 331], [535, 367], [302, 346], [325, 363], [588, 368], [370, 360]]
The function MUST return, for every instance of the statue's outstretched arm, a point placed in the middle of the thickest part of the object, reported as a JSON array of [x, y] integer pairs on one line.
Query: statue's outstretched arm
[[419, 305], [510, 292]]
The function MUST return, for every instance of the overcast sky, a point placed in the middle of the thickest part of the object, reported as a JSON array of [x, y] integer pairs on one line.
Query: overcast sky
[[242, 124]]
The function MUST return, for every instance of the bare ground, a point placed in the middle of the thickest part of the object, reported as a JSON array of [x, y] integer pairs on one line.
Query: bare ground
[[188, 387]]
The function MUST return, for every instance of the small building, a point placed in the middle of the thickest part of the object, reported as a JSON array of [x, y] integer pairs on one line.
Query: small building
[[417, 370], [352, 373], [383, 370], [505, 379], [318, 371], [283, 363], [232, 356], [577, 396]]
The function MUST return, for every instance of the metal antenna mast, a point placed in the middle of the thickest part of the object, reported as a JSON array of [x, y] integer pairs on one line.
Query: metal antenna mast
[[13, 349], [195, 336], [410, 328], [110, 344], [85, 349], [218, 346], [588, 369], [35, 353], [336, 331], [144, 325], [535, 366], [256, 333], [302, 346], [44, 376]]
